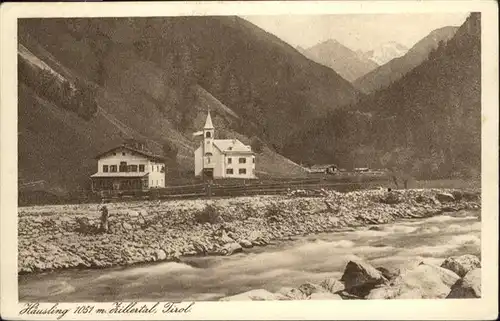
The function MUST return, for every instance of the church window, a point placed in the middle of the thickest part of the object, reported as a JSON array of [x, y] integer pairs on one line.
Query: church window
[[242, 160], [208, 135], [242, 171]]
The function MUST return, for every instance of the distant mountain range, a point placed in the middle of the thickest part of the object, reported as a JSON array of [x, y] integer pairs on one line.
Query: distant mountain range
[[384, 53], [86, 84], [427, 122], [343, 60], [396, 68]]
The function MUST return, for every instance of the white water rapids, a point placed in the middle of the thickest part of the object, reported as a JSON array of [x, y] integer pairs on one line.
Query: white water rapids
[[291, 263]]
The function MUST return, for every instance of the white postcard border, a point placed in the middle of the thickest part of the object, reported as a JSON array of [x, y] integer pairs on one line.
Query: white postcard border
[[484, 308]]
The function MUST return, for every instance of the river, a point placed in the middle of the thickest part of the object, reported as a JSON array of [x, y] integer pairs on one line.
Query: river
[[291, 263]]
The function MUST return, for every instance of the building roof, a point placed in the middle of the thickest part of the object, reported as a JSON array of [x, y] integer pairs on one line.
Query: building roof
[[231, 146], [143, 152], [208, 122], [325, 166], [120, 174]]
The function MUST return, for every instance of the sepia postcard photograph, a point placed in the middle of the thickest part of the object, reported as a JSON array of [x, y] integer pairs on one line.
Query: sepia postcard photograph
[[260, 160]]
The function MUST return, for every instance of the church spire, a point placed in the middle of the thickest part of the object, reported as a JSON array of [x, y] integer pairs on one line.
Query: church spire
[[208, 122]]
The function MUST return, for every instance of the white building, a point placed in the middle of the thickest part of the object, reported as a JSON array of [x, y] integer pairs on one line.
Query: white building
[[222, 158], [128, 167]]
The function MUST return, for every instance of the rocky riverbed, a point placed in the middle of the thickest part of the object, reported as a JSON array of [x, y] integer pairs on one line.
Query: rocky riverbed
[[456, 277], [64, 236]]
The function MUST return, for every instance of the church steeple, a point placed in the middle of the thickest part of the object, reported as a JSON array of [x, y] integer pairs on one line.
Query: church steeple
[[208, 122], [208, 135]]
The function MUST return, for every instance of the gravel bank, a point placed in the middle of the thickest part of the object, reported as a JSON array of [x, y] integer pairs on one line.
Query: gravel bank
[[59, 237]]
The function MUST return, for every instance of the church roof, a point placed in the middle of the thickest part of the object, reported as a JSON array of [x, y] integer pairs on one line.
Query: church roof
[[232, 145], [208, 122]]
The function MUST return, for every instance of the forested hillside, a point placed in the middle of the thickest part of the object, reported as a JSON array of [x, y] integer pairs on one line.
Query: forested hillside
[[86, 84], [428, 123]]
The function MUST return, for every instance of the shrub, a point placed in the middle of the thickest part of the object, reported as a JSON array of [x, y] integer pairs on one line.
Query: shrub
[[209, 214]]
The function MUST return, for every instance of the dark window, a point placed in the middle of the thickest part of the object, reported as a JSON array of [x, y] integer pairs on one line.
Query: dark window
[[132, 168], [242, 171], [123, 167], [208, 135], [105, 168], [141, 168], [112, 168], [242, 160], [229, 171], [253, 160], [229, 160], [123, 154]]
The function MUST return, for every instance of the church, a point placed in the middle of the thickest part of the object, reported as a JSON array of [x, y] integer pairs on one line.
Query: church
[[222, 158]]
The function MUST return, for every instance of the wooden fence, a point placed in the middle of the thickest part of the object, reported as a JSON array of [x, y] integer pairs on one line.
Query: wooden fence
[[223, 188]]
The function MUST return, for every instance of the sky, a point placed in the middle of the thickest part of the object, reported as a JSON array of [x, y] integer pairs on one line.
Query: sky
[[356, 31]]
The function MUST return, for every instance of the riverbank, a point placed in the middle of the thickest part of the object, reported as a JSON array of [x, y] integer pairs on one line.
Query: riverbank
[[456, 277], [61, 237]]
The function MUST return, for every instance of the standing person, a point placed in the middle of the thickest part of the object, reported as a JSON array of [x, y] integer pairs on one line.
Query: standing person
[[104, 219]]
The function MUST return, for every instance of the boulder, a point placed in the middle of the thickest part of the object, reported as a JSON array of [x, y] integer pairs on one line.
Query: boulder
[[252, 295], [324, 296], [246, 244], [389, 274], [382, 293], [160, 255], [292, 293], [360, 277], [461, 265], [448, 277], [468, 287], [445, 197], [231, 248], [425, 280], [332, 285], [310, 288]]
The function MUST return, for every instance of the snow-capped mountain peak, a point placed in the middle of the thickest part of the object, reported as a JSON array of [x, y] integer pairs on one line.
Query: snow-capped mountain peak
[[386, 52]]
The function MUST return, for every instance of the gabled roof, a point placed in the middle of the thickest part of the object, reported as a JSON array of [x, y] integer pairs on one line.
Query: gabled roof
[[120, 174], [232, 146], [145, 153], [324, 166]]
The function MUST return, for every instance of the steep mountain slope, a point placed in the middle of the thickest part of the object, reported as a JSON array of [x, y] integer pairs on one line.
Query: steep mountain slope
[[384, 53], [261, 78], [386, 74], [154, 79], [428, 122], [343, 60]]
